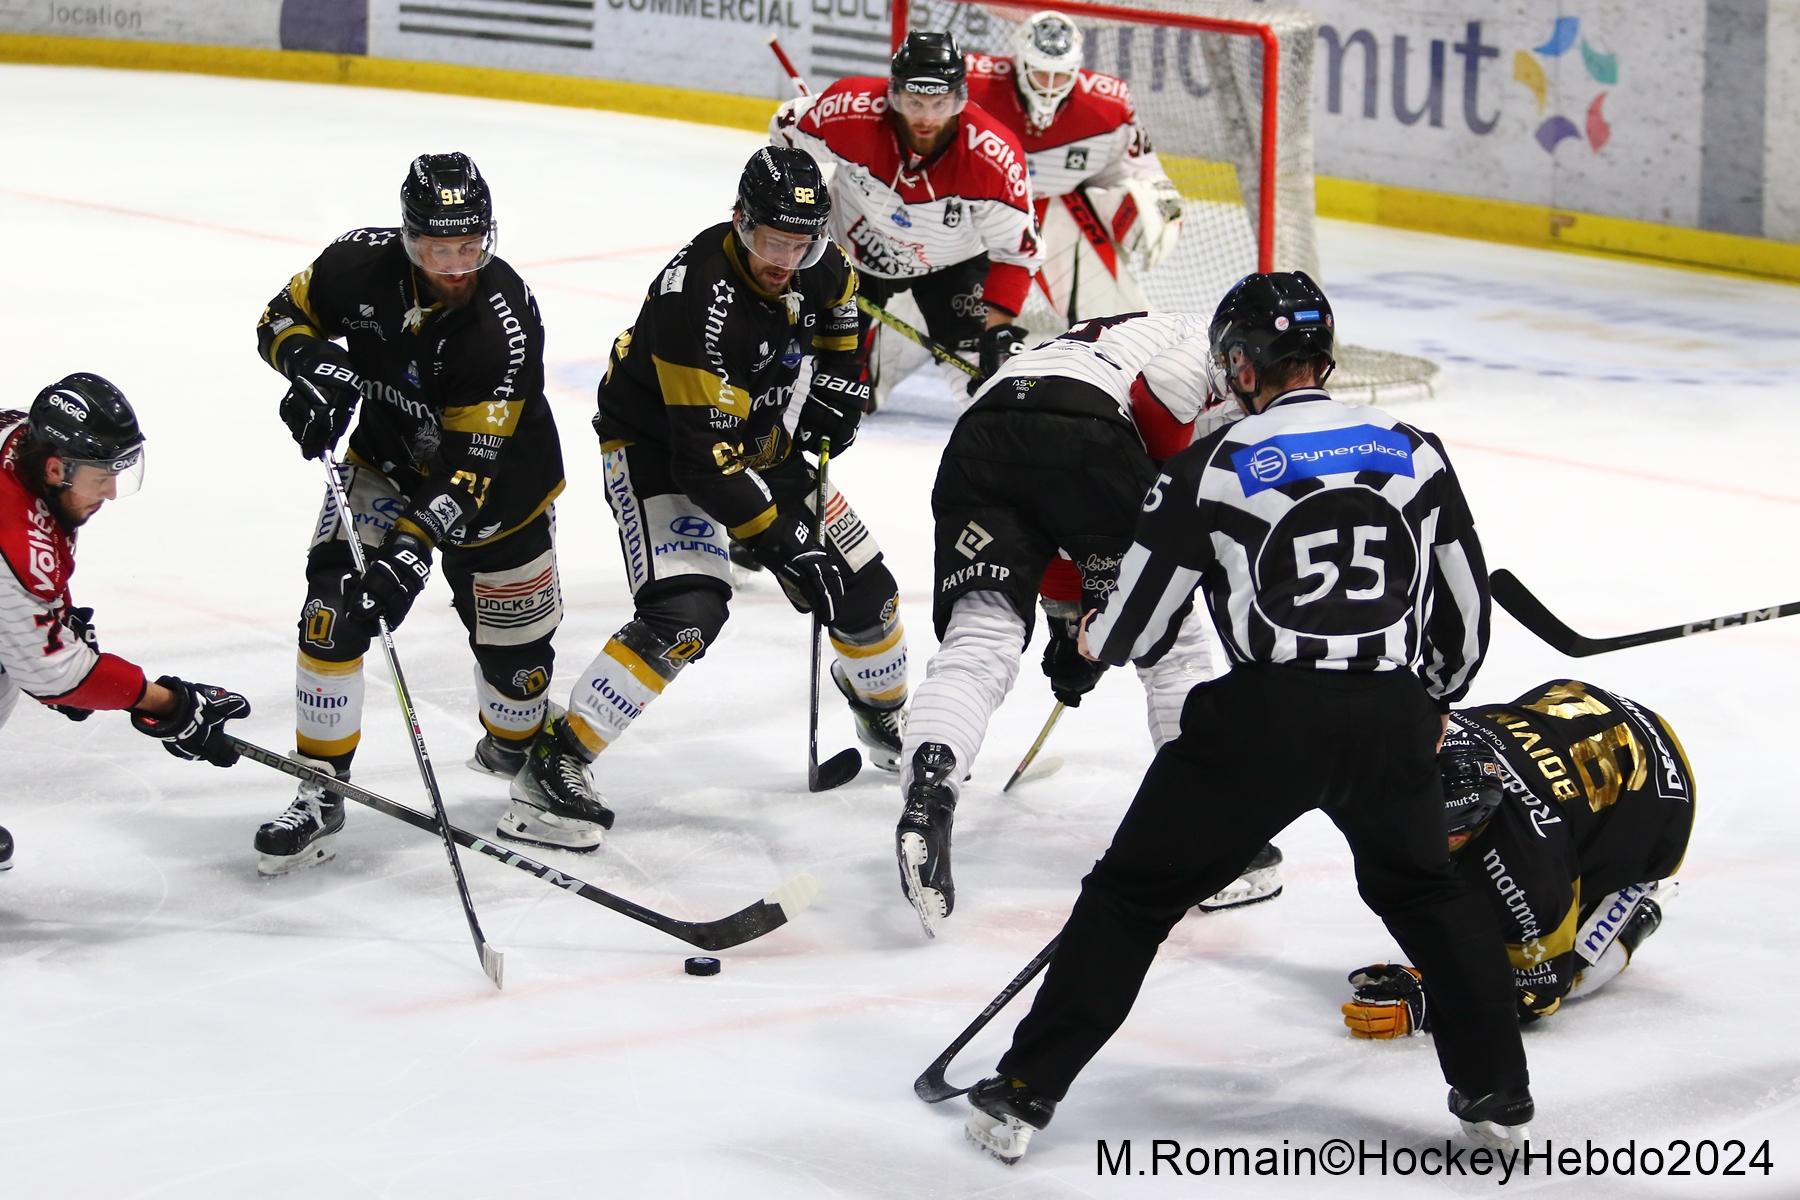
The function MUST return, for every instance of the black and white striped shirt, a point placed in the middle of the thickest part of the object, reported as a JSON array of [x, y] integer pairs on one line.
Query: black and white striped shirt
[[1322, 536]]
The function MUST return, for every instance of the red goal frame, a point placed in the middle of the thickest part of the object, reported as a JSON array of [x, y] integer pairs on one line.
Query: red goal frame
[[1271, 84]]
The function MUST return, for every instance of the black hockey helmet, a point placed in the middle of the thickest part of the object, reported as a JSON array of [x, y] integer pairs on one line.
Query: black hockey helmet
[[1270, 318], [782, 193], [929, 65], [87, 422], [1473, 786], [444, 196]]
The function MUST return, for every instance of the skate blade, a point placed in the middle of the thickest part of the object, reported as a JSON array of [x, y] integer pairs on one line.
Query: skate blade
[[527, 823], [928, 903], [475, 764], [320, 850], [1249, 888], [1006, 1138], [1496, 1137]]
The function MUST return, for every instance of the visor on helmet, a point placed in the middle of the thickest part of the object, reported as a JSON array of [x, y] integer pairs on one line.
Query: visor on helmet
[[780, 248], [455, 255]]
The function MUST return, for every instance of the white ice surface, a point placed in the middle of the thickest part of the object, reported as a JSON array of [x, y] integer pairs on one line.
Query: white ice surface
[[173, 1026]]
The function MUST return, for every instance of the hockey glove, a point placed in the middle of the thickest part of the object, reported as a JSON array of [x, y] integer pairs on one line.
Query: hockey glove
[[1389, 1002], [809, 575], [396, 575], [80, 622], [998, 344], [832, 409], [196, 729], [323, 398], [1071, 676]]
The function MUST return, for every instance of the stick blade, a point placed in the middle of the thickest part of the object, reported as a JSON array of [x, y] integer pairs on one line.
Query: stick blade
[[794, 895], [933, 1088], [493, 962], [835, 771], [1512, 595]]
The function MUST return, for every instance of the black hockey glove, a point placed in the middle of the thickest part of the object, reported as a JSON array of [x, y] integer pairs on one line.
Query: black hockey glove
[[319, 405], [196, 729], [809, 575], [1389, 1002], [1071, 676], [997, 345], [80, 622], [832, 409], [396, 575]]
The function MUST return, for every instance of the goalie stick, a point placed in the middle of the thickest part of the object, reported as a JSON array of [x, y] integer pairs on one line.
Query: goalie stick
[[745, 925], [931, 1086], [1530, 612]]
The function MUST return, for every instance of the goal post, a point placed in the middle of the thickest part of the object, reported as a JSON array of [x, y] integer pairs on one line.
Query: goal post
[[1225, 91]]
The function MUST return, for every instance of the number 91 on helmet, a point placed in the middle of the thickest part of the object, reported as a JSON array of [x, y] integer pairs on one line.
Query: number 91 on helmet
[[782, 210]]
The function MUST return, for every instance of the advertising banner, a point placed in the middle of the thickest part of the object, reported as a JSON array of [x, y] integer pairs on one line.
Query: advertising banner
[[208, 22]]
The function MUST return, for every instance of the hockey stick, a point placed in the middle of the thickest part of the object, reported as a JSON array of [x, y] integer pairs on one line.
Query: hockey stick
[[1055, 716], [747, 924], [931, 1086], [936, 349], [787, 64], [841, 767], [1530, 612], [491, 959]]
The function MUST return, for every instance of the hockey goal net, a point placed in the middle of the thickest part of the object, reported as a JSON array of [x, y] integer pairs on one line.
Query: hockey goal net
[[1225, 92]]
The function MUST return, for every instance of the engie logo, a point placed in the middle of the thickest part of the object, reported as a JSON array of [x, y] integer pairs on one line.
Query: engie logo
[[1295, 456], [1602, 69]]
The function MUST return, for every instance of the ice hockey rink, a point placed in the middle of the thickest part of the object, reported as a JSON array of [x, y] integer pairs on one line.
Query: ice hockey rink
[[172, 1025]]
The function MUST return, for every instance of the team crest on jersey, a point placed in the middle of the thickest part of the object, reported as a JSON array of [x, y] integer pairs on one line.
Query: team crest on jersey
[[899, 217], [318, 619], [530, 682], [688, 643], [953, 213], [1076, 159]]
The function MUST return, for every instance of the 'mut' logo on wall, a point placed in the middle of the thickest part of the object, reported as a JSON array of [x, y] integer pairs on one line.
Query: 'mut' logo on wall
[[1419, 79], [1602, 69]]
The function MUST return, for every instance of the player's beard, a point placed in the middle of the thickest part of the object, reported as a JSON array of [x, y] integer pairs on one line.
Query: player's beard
[[65, 516], [451, 291]]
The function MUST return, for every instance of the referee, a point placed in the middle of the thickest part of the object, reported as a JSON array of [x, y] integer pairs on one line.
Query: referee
[[1336, 554]]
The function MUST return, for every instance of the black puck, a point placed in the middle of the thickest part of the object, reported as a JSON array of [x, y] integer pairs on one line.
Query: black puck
[[702, 966]]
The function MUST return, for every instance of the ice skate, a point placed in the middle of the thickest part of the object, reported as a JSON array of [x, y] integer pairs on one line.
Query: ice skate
[[1006, 1113], [1500, 1120], [306, 834], [498, 758], [553, 798], [922, 839], [878, 729], [1261, 880]]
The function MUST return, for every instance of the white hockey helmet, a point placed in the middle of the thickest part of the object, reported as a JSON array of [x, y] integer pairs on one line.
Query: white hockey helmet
[[1046, 55]]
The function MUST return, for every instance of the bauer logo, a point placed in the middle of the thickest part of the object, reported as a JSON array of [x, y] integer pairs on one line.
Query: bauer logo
[[1296, 456]]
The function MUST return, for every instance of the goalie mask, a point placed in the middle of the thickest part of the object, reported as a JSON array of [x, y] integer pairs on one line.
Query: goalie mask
[[1046, 56], [782, 208], [1473, 786], [447, 215], [1267, 319]]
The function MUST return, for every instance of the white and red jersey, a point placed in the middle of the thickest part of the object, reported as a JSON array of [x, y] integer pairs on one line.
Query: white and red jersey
[[1152, 365], [37, 653], [1095, 139], [899, 216]]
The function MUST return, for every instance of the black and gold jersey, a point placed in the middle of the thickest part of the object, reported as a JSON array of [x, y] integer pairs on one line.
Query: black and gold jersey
[[709, 368], [453, 398], [1600, 796]]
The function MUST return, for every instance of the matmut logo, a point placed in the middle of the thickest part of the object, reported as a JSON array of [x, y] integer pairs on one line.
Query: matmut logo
[[990, 144]]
